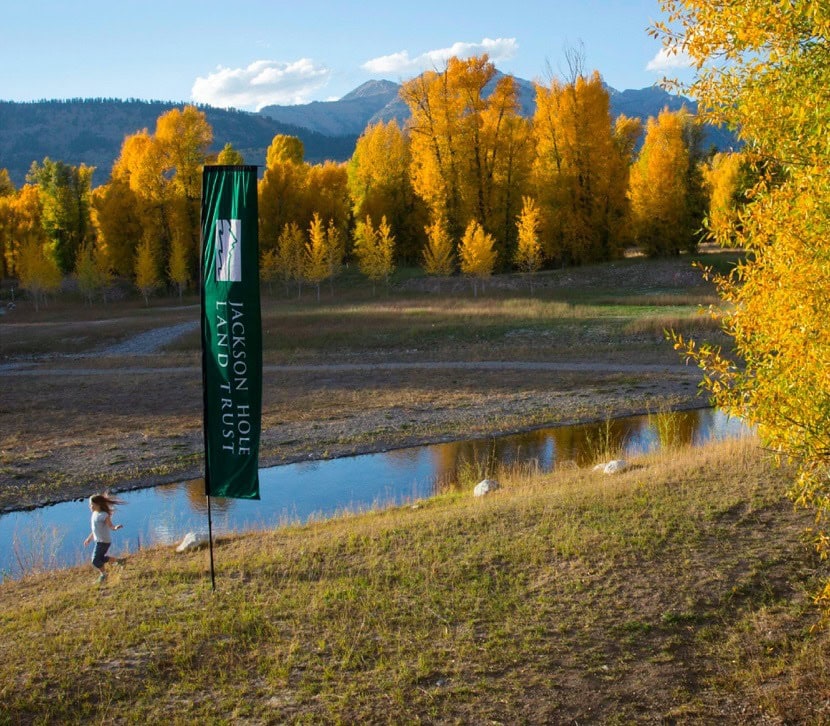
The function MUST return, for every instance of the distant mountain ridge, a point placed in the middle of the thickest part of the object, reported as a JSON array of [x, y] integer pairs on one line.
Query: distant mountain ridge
[[376, 101], [91, 131]]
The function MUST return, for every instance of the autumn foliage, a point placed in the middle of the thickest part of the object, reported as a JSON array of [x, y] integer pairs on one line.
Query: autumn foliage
[[466, 161], [774, 86]]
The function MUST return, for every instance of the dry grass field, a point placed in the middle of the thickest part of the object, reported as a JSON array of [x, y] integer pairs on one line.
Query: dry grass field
[[354, 373]]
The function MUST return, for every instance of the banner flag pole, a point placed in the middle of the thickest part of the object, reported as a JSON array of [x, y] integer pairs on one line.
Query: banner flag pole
[[231, 334]]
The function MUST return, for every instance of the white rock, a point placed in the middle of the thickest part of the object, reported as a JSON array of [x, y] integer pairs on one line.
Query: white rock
[[485, 486], [193, 541], [615, 467]]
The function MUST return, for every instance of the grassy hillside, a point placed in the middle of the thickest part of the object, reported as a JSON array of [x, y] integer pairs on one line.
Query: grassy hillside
[[676, 592]]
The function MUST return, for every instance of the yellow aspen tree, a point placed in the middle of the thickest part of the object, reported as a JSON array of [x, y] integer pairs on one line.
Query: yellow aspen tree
[[185, 136], [438, 254], [726, 181], [761, 67], [7, 242], [7, 217], [379, 184], [579, 171], [528, 257], [327, 194], [386, 250], [229, 156], [37, 271], [282, 191], [658, 188], [465, 145], [91, 271], [117, 222], [477, 254], [290, 255], [284, 148], [147, 277], [24, 225], [178, 268], [269, 267], [316, 267], [374, 248], [335, 251]]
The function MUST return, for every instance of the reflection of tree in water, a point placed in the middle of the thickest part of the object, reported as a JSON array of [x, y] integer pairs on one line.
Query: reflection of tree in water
[[480, 458], [403, 459], [194, 491], [584, 442], [682, 429]]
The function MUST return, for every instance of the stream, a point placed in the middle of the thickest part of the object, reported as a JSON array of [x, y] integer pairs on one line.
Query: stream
[[51, 537]]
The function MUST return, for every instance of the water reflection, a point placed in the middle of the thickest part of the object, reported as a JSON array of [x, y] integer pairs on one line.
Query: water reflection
[[51, 536]]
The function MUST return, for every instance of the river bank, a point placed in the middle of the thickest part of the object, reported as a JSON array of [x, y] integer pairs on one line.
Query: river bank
[[65, 446]]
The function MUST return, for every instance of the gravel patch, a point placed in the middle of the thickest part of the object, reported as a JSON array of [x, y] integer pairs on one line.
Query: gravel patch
[[153, 341]]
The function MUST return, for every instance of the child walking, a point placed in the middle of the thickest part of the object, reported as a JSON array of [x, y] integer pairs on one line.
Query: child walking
[[101, 506]]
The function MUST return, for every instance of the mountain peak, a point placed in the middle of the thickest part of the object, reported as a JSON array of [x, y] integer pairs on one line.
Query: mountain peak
[[372, 88]]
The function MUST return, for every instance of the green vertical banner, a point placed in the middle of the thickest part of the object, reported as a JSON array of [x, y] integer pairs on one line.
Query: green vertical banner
[[231, 331]]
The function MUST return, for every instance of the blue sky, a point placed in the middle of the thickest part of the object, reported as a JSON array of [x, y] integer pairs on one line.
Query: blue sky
[[250, 53]]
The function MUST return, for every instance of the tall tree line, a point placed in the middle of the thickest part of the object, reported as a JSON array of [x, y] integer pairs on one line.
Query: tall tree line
[[467, 159]]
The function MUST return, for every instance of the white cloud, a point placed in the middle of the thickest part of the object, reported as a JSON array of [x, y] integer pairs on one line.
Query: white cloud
[[664, 61], [262, 83], [402, 64]]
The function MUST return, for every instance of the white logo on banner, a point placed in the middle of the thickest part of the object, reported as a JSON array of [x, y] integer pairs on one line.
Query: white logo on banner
[[229, 250]]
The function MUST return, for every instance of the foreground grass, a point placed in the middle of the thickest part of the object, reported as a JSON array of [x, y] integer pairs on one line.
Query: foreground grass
[[678, 591]]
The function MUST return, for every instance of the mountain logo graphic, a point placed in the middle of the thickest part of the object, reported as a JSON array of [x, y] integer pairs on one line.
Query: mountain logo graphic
[[229, 250]]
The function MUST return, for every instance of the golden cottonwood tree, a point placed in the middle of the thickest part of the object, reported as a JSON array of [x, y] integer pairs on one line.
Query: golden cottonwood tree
[[375, 250], [147, 277], [7, 196], [477, 254], [141, 166], [316, 268], [178, 266], [117, 219], [92, 271], [529, 256], [507, 161], [774, 87], [728, 178], [580, 173], [185, 137], [22, 225], [290, 255], [335, 251], [470, 149], [379, 185], [439, 257], [37, 271], [8, 244], [658, 189], [327, 194], [282, 197], [229, 156]]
